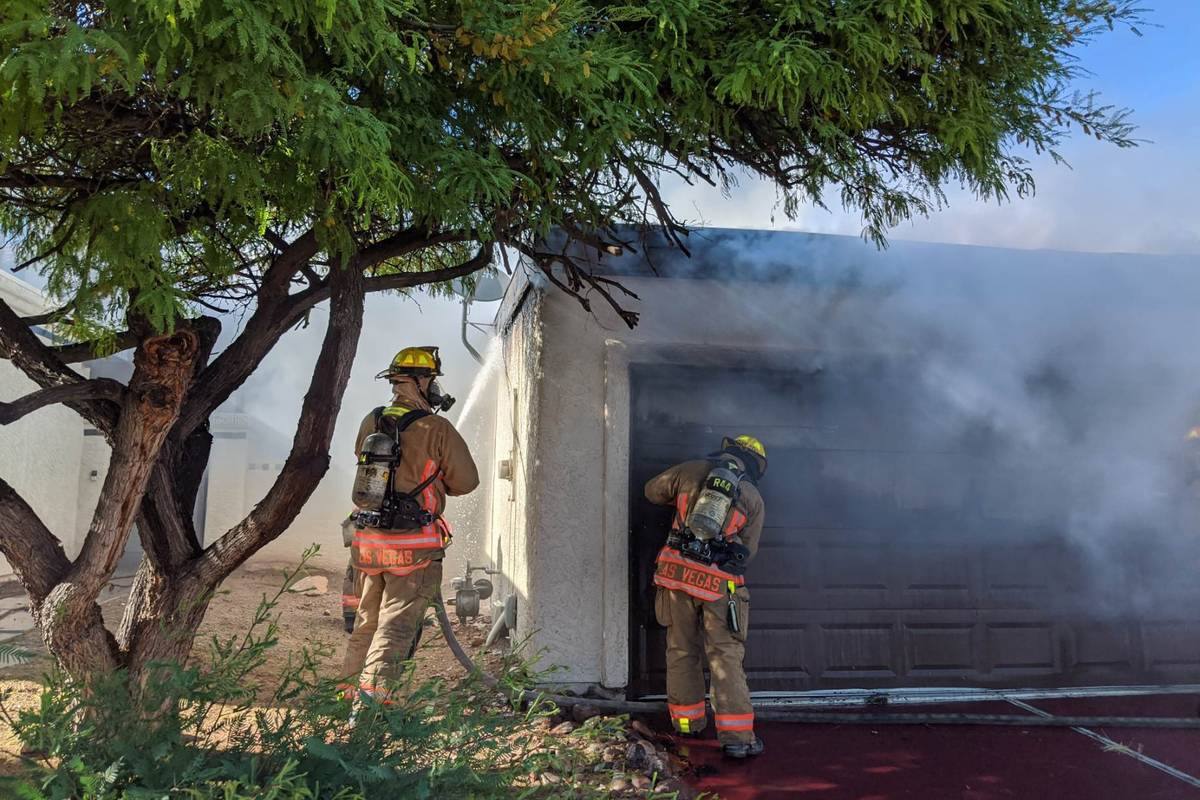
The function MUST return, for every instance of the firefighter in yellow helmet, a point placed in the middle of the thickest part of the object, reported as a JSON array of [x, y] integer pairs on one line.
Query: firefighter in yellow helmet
[[701, 596], [410, 460]]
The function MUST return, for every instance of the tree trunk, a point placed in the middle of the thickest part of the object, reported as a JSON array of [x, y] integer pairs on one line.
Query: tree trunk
[[65, 606], [161, 619]]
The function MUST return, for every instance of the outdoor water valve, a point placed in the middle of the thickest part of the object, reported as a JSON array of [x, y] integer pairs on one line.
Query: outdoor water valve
[[468, 592]]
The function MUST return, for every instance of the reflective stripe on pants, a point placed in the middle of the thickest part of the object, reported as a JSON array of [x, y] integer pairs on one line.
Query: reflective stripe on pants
[[689, 718], [735, 722]]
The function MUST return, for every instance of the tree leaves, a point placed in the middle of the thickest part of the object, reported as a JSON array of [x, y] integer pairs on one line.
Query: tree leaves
[[169, 139]]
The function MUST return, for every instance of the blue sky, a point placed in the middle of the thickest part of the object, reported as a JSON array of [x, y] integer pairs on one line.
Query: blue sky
[[1157, 71]]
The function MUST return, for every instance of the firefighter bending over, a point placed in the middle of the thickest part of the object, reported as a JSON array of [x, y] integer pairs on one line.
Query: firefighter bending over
[[409, 460], [701, 597]]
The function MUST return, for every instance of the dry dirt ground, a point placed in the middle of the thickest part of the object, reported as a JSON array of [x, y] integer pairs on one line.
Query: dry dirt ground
[[310, 616]]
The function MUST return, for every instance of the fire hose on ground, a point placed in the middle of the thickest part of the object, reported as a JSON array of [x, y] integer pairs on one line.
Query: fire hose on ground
[[816, 717]]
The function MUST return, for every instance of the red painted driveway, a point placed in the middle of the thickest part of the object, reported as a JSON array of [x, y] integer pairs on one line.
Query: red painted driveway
[[861, 762]]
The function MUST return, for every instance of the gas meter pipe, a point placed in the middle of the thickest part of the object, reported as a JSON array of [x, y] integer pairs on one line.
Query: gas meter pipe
[[818, 717]]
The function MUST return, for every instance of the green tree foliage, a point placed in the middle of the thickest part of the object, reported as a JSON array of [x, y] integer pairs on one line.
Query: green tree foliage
[[150, 148]]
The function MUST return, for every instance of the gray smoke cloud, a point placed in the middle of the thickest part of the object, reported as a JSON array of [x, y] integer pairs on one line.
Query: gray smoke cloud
[[1015, 399], [1068, 397]]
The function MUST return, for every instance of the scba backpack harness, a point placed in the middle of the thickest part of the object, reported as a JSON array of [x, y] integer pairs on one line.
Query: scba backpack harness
[[382, 509]]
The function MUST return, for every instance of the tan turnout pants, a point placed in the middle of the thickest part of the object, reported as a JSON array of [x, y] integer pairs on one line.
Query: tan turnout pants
[[696, 628], [391, 612]]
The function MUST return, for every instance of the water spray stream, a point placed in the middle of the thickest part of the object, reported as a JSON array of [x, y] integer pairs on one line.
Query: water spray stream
[[491, 365]]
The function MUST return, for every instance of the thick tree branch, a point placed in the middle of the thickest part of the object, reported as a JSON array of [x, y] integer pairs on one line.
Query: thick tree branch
[[98, 389], [279, 275], [405, 242], [305, 300], [229, 370], [80, 642], [33, 551], [308, 460], [57, 315], [406, 280], [21, 345], [68, 616], [169, 540], [164, 525], [275, 314]]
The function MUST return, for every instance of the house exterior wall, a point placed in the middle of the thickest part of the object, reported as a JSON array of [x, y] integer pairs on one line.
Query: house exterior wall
[[515, 507], [41, 456], [94, 455], [227, 470], [40, 453]]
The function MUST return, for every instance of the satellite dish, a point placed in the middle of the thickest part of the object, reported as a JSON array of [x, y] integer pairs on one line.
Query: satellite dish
[[488, 289]]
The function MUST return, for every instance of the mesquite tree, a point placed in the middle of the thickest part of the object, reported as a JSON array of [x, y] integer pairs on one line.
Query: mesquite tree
[[162, 161]]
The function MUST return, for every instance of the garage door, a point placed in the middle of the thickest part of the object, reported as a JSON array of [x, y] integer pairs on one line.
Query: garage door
[[905, 545]]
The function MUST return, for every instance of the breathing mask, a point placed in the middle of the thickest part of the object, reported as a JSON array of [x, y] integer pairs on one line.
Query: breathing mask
[[438, 399]]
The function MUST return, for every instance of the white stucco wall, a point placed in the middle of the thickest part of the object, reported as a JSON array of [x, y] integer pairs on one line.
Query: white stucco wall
[[39, 457], [94, 457], [40, 453], [226, 485], [514, 506]]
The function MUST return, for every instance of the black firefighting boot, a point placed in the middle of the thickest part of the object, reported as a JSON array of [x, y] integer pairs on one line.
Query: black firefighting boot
[[744, 749]]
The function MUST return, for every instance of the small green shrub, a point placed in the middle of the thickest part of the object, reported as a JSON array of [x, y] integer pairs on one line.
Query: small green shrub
[[203, 733]]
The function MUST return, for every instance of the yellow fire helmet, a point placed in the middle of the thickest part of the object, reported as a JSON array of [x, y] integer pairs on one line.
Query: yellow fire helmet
[[417, 361], [748, 444], [1193, 434]]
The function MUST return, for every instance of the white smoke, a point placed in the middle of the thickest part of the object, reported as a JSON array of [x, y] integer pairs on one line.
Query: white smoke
[[273, 395]]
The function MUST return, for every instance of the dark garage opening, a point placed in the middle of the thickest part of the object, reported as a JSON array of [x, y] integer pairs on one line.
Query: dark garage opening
[[905, 545]]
